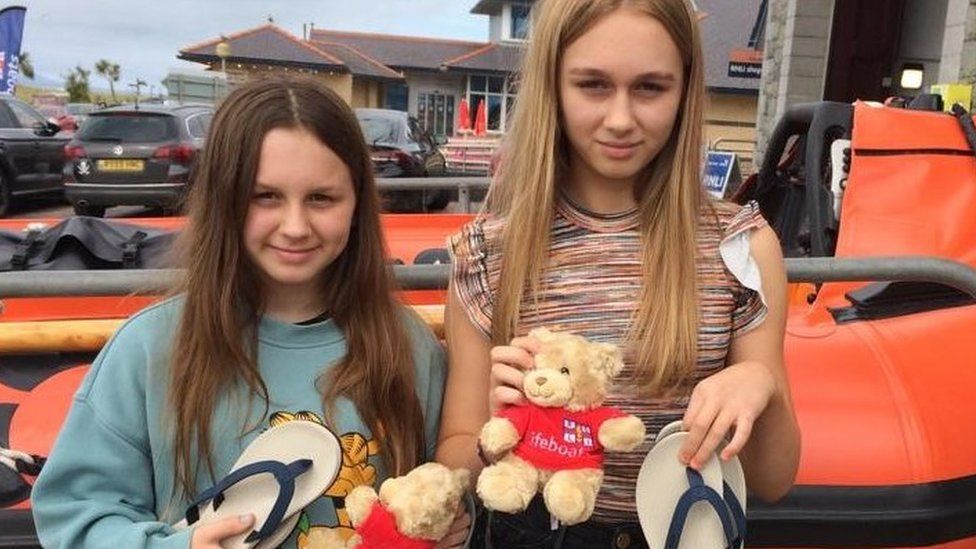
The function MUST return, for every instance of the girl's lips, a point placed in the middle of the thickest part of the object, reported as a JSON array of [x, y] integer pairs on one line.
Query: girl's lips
[[618, 151], [289, 255]]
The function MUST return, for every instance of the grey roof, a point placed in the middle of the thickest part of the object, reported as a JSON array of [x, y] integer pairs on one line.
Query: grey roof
[[400, 52], [726, 26], [267, 43], [358, 62], [492, 57]]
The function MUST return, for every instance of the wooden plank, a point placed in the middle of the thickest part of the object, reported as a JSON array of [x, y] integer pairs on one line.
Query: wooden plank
[[51, 336]]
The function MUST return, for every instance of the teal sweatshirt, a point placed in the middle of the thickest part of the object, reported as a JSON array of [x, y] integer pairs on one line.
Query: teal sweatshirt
[[109, 480]]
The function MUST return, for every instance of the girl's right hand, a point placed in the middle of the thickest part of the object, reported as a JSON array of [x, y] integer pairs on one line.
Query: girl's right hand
[[508, 366], [209, 536]]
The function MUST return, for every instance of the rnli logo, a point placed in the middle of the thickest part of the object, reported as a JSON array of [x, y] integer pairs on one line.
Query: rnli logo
[[117, 150], [577, 433]]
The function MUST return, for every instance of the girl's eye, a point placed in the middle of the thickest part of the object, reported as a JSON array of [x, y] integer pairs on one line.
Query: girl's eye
[[592, 84], [650, 87], [320, 198], [266, 196], [564, 371]]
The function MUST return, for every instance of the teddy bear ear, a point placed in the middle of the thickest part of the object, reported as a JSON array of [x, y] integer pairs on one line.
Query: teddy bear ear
[[389, 489], [611, 360]]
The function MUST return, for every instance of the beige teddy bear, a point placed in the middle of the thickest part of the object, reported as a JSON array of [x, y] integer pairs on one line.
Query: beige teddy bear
[[555, 442], [410, 512]]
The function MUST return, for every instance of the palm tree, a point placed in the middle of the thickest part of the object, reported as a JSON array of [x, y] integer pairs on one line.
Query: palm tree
[[26, 67], [110, 71], [76, 84]]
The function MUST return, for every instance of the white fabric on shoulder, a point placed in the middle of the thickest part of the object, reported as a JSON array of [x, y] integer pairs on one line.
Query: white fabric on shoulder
[[736, 253]]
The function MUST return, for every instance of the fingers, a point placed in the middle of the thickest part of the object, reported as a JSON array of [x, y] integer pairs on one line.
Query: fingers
[[743, 430], [507, 396], [513, 356], [698, 426], [211, 534], [716, 433], [528, 344]]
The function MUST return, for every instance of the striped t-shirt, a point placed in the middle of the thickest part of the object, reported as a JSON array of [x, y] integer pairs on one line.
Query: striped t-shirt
[[591, 286]]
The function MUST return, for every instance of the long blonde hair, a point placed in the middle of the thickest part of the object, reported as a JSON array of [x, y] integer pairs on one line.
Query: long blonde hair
[[664, 328], [215, 347]]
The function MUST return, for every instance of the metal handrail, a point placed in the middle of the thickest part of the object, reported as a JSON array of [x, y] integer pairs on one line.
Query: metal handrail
[[463, 184], [434, 277]]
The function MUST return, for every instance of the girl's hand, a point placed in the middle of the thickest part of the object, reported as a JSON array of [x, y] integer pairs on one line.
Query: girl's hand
[[209, 536], [458, 534], [733, 398], [508, 366]]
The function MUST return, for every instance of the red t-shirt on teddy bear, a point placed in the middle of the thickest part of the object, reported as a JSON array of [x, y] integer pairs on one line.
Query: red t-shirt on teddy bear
[[379, 531], [556, 438]]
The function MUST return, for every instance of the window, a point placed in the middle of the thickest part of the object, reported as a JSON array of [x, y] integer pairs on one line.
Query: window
[[129, 127], [435, 112], [498, 94], [520, 21], [6, 118], [27, 116], [197, 125]]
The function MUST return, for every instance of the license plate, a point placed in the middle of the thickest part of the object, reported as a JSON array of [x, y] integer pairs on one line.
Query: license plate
[[121, 165]]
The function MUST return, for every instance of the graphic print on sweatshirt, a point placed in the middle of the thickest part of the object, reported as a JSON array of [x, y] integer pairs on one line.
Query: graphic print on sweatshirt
[[356, 470]]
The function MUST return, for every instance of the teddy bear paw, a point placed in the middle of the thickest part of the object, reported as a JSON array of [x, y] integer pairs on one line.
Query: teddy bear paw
[[505, 488], [570, 504]]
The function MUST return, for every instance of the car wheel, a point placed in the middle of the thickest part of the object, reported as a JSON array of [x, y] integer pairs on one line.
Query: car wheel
[[89, 210], [4, 196]]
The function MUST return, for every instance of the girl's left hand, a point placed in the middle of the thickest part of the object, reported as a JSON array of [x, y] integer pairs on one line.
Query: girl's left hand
[[733, 398], [458, 533]]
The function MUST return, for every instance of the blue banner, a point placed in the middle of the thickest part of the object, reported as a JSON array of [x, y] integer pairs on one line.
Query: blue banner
[[11, 32]]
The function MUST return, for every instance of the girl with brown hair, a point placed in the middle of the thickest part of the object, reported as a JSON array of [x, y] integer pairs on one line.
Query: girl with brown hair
[[286, 309], [597, 224]]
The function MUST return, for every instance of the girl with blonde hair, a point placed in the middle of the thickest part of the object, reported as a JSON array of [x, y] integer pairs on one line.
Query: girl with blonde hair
[[597, 224]]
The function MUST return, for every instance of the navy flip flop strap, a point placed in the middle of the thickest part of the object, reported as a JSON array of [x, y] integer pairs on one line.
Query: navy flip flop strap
[[738, 515], [284, 474], [698, 491]]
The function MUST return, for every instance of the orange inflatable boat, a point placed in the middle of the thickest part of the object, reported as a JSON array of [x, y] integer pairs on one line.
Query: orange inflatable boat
[[883, 373]]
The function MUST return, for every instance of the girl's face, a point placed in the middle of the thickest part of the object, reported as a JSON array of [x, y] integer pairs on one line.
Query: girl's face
[[300, 214], [620, 87]]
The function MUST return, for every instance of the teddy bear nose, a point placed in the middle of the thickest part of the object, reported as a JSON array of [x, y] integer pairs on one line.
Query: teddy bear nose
[[540, 381]]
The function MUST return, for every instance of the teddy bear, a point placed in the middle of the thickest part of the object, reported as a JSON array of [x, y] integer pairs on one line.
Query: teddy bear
[[555, 442], [413, 511]]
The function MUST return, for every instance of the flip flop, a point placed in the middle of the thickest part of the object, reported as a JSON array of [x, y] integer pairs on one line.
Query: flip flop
[[669, 429], [281, 472], [733, 486], [679, 507]]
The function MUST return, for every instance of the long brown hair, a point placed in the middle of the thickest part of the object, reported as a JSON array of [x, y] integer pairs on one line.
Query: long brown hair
[[664, 328], [215, 347]]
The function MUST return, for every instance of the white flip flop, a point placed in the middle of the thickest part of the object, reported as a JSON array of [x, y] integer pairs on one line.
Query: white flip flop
[[280, 472], [678, 507], [669, 429]]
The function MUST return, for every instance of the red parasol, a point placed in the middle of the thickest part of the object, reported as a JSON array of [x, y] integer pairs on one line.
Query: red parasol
[[481, 119], [464, 117]]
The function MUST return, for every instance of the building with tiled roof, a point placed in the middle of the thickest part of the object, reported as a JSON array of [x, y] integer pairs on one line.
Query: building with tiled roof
[[429, 77]]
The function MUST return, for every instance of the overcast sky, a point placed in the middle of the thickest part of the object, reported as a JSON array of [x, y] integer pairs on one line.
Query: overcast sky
[[144, 36]]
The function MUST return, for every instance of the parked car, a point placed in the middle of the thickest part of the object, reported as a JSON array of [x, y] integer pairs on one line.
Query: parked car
[[60, 116], [31, 158], [129, 155], [80, 111], [400, 147]]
